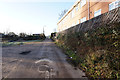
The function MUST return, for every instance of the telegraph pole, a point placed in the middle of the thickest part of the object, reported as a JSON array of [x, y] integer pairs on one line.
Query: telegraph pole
[[43, 29]]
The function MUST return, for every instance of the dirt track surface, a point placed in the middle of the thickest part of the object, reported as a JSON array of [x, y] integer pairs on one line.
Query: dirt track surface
[[37, 60]]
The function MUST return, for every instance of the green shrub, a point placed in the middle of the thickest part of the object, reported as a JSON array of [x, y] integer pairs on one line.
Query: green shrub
[[96, 51]]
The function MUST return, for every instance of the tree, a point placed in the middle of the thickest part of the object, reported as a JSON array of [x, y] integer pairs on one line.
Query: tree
[[22, 35], [62, 13], [11, 34]]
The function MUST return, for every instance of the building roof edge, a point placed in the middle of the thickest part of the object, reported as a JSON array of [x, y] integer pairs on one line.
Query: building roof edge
[[68, 11]]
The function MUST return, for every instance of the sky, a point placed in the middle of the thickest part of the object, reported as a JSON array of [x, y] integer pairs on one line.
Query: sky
[[30, 16]]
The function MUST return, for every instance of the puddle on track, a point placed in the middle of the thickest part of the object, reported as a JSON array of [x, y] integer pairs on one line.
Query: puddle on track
[[46, 68], [25, 52]]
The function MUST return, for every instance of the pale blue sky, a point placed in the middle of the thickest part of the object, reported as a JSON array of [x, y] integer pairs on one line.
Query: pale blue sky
[[30, 17]]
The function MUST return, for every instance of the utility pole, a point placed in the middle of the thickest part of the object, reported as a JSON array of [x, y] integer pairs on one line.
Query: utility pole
[[43, 29]]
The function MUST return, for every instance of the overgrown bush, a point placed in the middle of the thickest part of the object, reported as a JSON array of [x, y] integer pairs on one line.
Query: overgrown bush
[[96, 51], [11, 37]]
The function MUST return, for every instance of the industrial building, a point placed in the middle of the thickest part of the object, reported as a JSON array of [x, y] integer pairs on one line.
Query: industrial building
[[84, 10]]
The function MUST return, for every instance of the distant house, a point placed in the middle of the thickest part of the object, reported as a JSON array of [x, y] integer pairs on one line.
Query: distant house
[[1, 35], [84, 10]]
